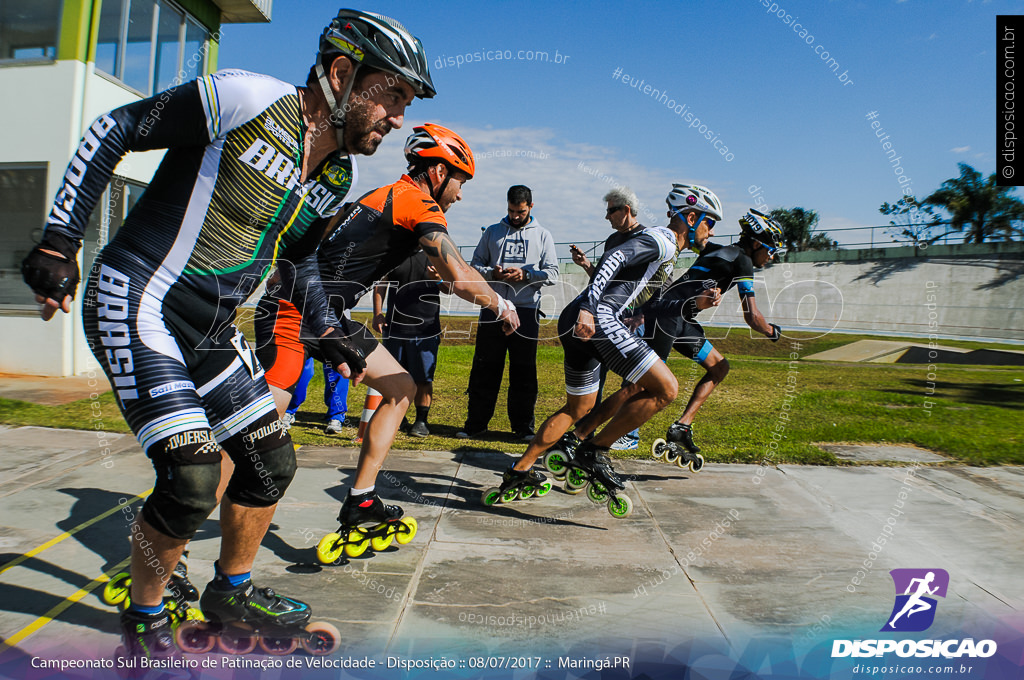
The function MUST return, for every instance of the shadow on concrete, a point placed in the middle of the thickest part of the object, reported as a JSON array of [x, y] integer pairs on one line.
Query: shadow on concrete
[[1007, 272], [38, 603], [883, 269]]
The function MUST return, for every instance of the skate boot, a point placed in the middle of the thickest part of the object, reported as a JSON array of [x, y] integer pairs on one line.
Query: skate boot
[[679, 448], [179, 586], [592, 471], [242, 617], [365, 521], [559, 456], [147, 635], [517, 484]]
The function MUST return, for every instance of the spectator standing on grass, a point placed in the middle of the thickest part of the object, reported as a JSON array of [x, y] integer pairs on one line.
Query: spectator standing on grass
[[412, 327], [335, 397], [621, 214], [517, 256]]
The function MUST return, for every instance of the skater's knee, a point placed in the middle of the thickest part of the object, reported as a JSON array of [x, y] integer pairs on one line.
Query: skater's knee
[[398, 388], [184, 496], [719, 370], [263, 476]]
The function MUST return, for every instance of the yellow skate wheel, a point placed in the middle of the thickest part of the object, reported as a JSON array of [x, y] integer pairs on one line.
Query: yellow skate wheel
[[658, 448], [694, 465], [491, 496], [406, 534], [278, 646], [321, 638], [116, 590], [356, 543], [194, 637], [379, 543], [329, 549]]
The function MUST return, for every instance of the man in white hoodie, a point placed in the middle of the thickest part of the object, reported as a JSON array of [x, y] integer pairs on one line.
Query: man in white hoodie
[[517, 257]]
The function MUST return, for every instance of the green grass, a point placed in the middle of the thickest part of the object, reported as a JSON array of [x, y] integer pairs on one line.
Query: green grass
[[974, 414]]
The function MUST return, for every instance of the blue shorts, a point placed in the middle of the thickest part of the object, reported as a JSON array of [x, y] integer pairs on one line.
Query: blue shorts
[[416, 355]]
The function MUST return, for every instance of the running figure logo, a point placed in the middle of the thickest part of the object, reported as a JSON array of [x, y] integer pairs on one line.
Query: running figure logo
[[914, 611]]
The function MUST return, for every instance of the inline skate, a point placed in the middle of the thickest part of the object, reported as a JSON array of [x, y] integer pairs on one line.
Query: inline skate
[[558, 456], [243, 617], [146, 635], [517, 484], [679, 448], [180, 593], [365, 522], [590, 469]]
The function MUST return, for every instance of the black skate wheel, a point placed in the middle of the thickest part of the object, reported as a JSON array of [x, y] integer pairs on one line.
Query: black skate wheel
[[194, 637], [658, 448], [321, 638], [278, 646]]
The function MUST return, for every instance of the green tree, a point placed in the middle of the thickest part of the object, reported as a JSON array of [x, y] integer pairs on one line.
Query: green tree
[[911, 220], [979, 206], [798, 229]]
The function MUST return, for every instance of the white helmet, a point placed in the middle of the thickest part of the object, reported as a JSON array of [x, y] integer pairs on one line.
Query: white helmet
[[687, 197]]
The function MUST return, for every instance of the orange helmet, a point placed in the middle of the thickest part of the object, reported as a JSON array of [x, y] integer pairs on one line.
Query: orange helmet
[[430, 141]]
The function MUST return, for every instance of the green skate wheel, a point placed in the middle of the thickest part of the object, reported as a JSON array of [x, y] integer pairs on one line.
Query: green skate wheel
[[321, 638], [237, 640], [620, 507], [491, 496], [117, 589], [658, 448], [356, 543], [596, 493], [194, 637], [527, 492], [402, 536], [554, 462], [509, 495], [379, 543], [694, 465], [575, 479], [329, 549], [543, 489], [278, 646]]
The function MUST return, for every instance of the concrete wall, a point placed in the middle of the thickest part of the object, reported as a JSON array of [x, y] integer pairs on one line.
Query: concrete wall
[[952, 292]]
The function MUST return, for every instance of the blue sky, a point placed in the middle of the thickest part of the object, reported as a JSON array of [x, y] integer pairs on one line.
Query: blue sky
[[571, 130]]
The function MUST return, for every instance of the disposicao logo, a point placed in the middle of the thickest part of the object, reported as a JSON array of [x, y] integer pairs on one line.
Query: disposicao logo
[[914, 610]]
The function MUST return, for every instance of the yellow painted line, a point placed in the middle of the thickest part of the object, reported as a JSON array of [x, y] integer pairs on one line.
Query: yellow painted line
[[68, 534], [67, 602]]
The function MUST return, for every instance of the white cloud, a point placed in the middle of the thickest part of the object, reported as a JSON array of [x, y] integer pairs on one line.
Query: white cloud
[[568, 182], [960, 149]]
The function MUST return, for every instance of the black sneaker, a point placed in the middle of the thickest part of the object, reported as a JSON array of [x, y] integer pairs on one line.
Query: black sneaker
[[419, 429]]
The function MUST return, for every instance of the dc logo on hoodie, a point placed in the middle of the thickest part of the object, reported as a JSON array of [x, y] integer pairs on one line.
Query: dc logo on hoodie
[[515, 252]]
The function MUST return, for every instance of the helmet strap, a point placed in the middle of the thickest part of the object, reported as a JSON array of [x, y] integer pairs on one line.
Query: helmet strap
[[691, 234], [337, 117]]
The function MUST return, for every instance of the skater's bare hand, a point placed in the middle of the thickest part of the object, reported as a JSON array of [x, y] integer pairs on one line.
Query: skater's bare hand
[[585, 325], [579, 257], [378, 323], [709, 298]]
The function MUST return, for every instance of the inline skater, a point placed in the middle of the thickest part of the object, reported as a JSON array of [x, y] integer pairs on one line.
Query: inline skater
[[252, 173], [379, 232], [718, 269], [592, 332]]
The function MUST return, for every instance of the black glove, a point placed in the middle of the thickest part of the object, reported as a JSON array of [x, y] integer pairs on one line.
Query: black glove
[[338, 349], [52, 276], [776, 332]]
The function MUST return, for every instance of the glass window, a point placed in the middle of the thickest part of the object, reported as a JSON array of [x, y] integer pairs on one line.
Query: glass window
[[168, 46], [29, 30], [23, 197], [108, 44], [138, 49], [193, 62]]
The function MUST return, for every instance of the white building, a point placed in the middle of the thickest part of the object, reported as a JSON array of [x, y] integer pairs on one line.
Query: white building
[[62, 64]]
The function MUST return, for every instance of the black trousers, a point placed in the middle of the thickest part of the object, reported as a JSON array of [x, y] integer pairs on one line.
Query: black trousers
[[489, 365]]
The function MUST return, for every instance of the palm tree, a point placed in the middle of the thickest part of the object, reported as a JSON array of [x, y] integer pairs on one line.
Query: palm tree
[[798, 229], [981, 206]]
